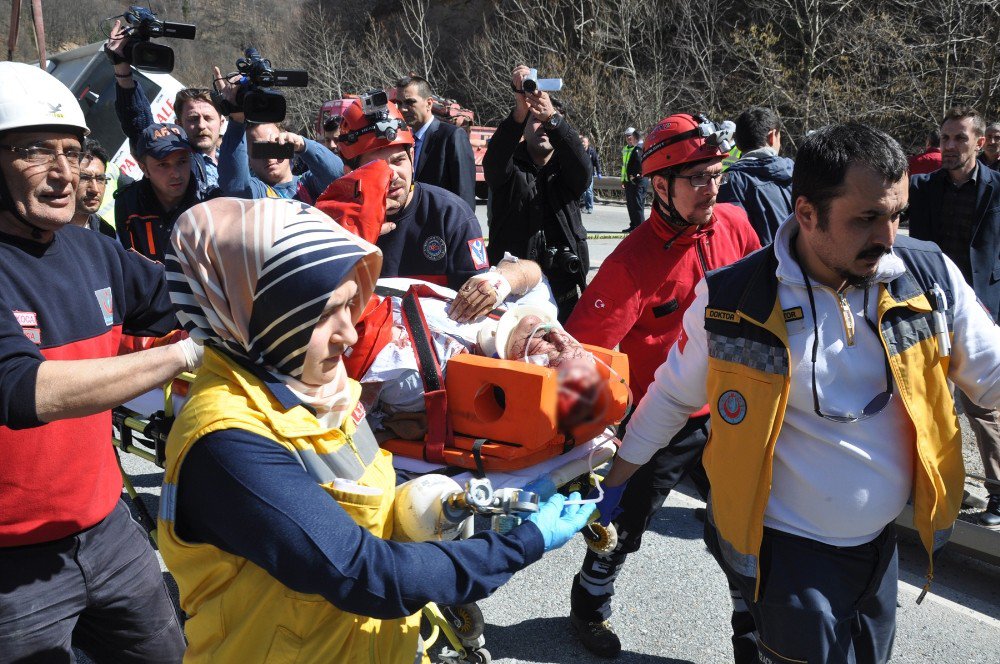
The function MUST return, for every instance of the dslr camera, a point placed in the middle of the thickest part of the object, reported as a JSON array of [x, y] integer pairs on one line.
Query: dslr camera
[[560, 259], [139, 51], [256, 97]]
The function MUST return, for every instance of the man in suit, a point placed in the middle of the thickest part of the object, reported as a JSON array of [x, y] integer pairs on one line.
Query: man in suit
[[442, 152], [958, 207]]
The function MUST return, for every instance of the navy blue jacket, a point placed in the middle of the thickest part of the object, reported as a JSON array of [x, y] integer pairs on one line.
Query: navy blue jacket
[[446, 161], [926, 194], [236, 484], [437, 238], [763, 187]]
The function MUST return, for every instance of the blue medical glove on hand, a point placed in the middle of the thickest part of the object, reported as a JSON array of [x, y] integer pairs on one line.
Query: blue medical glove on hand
[[608, 507], [558, 521]]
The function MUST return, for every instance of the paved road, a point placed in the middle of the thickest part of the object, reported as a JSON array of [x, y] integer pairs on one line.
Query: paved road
[[673, 603]]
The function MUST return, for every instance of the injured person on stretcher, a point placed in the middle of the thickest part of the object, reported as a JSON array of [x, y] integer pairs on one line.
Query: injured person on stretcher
[[393, 390]]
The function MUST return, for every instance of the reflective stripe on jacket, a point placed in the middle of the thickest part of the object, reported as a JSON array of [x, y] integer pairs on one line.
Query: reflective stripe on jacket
[[238, 612], [748, 354]]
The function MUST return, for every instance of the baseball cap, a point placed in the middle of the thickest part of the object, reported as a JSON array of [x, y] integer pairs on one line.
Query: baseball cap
[[629, 131], [160, 140]]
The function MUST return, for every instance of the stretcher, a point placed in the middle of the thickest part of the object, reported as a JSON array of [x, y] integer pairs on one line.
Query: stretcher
[[143, 424]]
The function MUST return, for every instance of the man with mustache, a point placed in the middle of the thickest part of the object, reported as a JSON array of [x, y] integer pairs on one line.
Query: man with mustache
[[77, 570], [636, 301], [809, 470], [175, 175], [958, 207], [90, 192], [430, 233]]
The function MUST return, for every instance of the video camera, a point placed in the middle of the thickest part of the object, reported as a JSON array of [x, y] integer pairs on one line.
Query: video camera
[[256, 98], [531, 83], [143, 54]]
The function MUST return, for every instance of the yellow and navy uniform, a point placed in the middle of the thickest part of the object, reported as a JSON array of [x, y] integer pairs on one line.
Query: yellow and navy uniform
[[748, 361]]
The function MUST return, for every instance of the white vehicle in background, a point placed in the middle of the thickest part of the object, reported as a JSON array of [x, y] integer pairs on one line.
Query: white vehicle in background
[[88, 74]]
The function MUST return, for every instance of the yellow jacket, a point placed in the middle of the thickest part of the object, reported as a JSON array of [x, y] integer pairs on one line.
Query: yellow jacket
[[748, 354], [237, 611]]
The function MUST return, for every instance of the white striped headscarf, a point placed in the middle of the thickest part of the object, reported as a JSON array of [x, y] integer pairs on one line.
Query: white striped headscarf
[[254, 276]]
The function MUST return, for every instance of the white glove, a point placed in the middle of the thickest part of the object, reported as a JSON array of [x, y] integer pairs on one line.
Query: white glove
[[193, 353]]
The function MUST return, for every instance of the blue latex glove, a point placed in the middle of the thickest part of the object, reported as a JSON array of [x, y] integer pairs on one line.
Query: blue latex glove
[[542, 485], [608, 507], [559, 522]]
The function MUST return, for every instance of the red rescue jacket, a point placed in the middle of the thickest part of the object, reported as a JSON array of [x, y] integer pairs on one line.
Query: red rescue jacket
[[638, 297]]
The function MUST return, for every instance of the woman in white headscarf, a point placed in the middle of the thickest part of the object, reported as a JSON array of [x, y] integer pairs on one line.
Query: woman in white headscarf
[[276, 509]]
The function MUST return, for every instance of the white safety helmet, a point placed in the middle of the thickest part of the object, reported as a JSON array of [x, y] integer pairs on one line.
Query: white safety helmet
[[31, 97]]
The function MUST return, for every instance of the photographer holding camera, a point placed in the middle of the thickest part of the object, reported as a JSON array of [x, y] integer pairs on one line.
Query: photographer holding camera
[[536, 189], [272, 175], [176, 176]]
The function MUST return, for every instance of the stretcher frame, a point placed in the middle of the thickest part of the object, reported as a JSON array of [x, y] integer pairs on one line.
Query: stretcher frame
[[461, 626]]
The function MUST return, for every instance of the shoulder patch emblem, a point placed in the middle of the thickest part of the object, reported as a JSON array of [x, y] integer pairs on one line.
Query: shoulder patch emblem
[[358, 414], [435, 248], [106, 303], [732, 407], [477, 248]]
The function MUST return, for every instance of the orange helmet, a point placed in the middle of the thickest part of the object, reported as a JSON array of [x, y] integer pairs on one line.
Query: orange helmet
[[681, 139], [372, 122]]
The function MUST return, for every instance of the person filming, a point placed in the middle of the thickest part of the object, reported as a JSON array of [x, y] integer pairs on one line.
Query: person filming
[[536, 189]]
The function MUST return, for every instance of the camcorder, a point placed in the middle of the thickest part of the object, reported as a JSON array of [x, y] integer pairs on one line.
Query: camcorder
[[139, 51], [256, 97], [532, 83]]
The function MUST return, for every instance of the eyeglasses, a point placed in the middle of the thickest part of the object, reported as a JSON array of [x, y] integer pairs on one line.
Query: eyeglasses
[[881, 400], [100, 179], [702, 179], [39, 156]]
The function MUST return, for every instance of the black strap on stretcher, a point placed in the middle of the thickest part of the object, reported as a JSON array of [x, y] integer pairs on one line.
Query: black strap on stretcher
[[439, 432]]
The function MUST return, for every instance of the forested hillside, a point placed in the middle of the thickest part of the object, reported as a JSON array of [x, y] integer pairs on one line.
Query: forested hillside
[[893, 63]]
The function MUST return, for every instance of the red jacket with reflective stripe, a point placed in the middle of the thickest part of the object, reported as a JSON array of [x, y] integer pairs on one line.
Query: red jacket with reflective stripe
[[638, 297]]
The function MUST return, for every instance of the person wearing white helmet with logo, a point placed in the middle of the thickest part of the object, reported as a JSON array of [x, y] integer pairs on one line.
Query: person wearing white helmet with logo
[[77, 570]]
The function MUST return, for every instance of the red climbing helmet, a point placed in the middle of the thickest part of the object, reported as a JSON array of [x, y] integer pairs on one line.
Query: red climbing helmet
[[681, 139], [370, 123]]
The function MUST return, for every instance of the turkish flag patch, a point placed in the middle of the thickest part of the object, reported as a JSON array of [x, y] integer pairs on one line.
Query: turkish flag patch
[[477, 248]]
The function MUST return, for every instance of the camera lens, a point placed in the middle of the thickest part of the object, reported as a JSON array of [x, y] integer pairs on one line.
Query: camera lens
[[529, 85]]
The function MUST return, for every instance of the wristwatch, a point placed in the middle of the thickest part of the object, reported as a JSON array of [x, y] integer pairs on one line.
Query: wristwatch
[[553, 121]]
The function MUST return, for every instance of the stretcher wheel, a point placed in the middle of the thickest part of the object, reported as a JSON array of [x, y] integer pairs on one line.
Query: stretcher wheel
[[602, 540], [480, 656], [468, 621]]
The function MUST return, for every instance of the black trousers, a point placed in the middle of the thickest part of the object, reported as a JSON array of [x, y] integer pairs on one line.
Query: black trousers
[[817, 603], [594, 586], [635, 201], [100, 590]]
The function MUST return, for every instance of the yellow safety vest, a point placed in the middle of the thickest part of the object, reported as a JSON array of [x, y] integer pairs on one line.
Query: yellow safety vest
[[237, 611], [748, 373]]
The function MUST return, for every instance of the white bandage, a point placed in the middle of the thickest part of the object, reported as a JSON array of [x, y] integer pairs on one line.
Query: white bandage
[[496, 281]]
